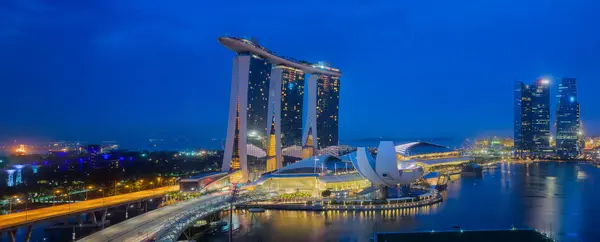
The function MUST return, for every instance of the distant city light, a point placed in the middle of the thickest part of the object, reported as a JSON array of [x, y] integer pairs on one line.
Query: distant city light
[[572, 99], [545, 81]]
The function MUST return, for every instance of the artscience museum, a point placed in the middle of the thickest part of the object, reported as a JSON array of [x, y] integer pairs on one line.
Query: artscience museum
[[363, 172]]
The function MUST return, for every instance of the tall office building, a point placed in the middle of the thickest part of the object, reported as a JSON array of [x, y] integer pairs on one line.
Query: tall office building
[[522, 124], [328, 98], [265, 107], [532, 119], [568, 124], [540, 122]]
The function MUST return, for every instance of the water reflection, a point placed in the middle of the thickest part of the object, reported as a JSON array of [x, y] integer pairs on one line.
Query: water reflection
[[556, 198]]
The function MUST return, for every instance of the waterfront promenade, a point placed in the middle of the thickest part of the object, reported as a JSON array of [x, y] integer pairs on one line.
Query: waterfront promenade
[[431, 197]]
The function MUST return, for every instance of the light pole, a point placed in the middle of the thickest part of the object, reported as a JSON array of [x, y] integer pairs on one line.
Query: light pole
[[231, 212], [141, 185], [68, 197], [26, 201], [56, 193], [116, 184], [86, 191], [102, 190], [10, 203], [322, 168]]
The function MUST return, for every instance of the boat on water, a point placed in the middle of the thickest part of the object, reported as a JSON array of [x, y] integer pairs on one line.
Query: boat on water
[[256, 210]]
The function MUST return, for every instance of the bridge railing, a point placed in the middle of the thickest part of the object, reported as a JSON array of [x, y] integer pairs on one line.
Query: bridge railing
[[174, 227]]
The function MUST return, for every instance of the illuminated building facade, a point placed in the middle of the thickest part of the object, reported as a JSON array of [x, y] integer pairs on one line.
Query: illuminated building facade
[[266, 98], [532, 119], [568, 128], [247, 110], [328, 98], [540, 108], [522, 123], [292, 97], [272, 150], [258, 94]]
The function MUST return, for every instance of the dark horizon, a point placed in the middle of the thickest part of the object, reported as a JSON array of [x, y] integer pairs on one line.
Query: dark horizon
[[127, 71]]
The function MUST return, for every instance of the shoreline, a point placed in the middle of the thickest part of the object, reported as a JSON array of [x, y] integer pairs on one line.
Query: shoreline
[[310, 207]]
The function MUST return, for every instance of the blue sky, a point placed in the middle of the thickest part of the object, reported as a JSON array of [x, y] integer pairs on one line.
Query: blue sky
[[129, 70]]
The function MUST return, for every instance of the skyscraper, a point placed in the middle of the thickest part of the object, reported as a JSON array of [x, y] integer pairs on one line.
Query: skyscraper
[[532, 118], [265, 107], [567, 120], [247, 109], [328, 97], [292, 97], [540, 119], [258, 95]]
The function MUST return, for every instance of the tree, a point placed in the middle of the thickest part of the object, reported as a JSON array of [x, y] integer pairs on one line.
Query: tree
[[326, 193]]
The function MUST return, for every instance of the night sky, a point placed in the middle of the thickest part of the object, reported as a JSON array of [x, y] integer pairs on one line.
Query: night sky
[[132, 70]]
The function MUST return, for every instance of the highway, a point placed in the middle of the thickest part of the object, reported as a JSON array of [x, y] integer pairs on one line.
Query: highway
[[144, 226], [20, 218]]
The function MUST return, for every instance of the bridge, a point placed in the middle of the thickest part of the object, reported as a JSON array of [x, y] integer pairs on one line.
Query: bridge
[[14, 220], [169, 222]]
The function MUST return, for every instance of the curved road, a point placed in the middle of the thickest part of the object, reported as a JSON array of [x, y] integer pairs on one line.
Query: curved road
[[144, 226], [21, 218]]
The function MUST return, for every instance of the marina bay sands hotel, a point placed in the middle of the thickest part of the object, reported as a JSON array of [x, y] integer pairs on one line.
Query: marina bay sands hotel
[[267, 116]]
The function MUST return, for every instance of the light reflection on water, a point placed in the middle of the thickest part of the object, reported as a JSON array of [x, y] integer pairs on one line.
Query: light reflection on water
[[556, 198]]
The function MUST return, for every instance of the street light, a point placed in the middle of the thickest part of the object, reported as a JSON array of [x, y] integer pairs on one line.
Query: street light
[[116, 184], [102, 190], [56, 193], [86, 191], [10, 203]]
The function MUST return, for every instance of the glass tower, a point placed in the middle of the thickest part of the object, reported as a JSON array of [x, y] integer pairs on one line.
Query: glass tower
[[567, 120], [328, 97], [292, 97], [521, 102], [258, 93], [532, 118], [540, 119]]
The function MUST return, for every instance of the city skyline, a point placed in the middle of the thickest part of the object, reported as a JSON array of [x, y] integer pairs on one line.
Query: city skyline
[[186, 73]]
